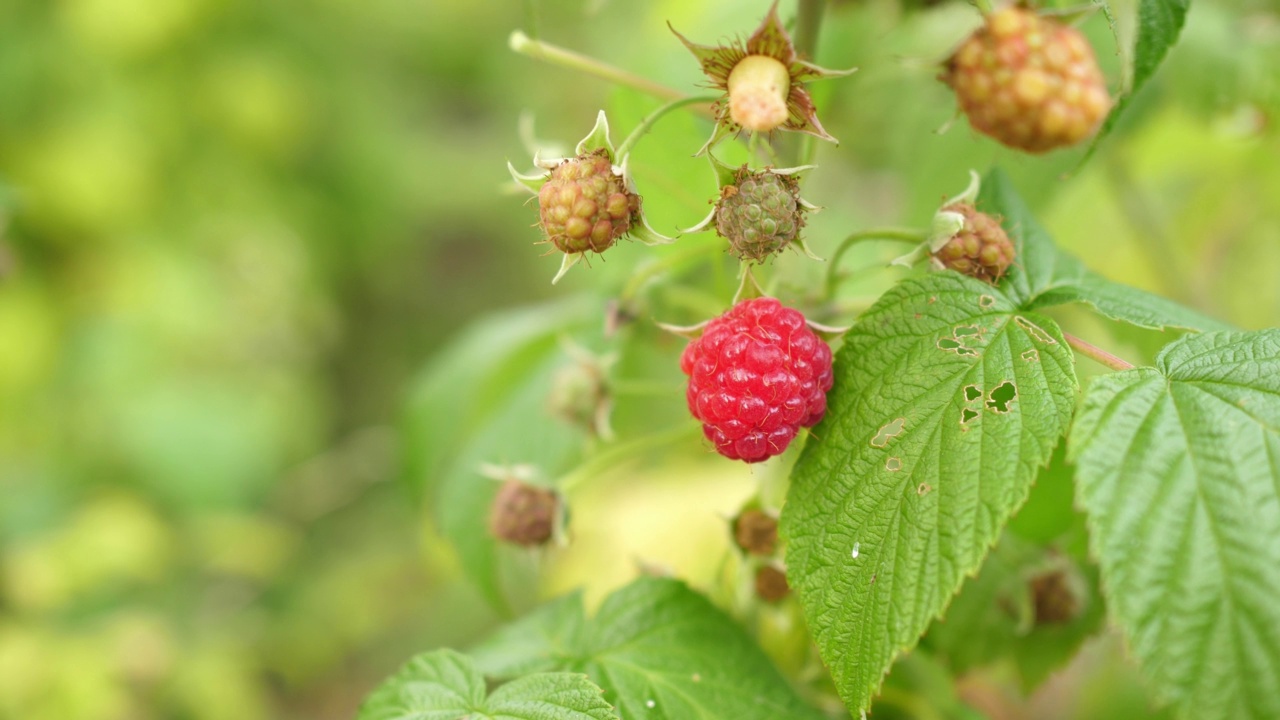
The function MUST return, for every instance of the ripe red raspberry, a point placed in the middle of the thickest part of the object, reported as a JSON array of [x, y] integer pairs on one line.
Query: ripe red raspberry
[[756, 376], [1029, 81]]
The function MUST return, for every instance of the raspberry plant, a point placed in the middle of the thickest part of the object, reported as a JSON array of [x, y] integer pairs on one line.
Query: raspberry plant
[[932, 525]]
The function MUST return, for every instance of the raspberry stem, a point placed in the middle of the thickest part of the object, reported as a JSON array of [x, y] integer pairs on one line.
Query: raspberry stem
[[669, 262], [647, 124], [808, 23], [898, 234], [556, 55], [1096, 353], [609, 459]]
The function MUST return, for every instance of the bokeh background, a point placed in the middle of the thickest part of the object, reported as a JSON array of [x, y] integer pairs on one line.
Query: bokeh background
[[240, 237]]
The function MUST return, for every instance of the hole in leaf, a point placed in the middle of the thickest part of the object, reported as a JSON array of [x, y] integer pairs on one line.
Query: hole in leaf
[[1001, 396], [966, 415], [924, 489], [1032, 355], [967, 330], [955, 346], [1036, 332], [971, 392], [888, 432], [986, 302], [893, 464]]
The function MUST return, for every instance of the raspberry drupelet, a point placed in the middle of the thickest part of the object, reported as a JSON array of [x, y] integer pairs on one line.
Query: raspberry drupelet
[[756, 376], [1028, 81]]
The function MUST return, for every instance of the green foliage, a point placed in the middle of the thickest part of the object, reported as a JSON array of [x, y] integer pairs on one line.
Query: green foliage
[[996, 617], [476, 410], [445, 685], [658, 649], [236, 238], [1159, 25], [1179, 475], [947, 400], [1045, 275]]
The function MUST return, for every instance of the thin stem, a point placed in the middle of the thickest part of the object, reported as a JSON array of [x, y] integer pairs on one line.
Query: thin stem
[[808, 22], [670, 261], [557, 55], [1096, 353], [753, 149], [643, 388], [613, 456], [800, 148], [647, 124], [898, 234]]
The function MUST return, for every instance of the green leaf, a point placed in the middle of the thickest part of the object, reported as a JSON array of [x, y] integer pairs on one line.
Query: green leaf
[[1179, 471], [1043, 275], [1039, 265], [445, 685], [658, 649], [947, 401], [1159, 25], [1127, 304], [1020, 608], [471, 379], [484, 402]]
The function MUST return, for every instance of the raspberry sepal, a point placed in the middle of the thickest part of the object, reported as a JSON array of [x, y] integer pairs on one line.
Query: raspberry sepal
[[769, 40]]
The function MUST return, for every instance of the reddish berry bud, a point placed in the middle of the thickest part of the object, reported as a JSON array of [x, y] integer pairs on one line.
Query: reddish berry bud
[[524, 514], [1055, 600], [771, 584], [585, 206], [756, 532], [981, 249]]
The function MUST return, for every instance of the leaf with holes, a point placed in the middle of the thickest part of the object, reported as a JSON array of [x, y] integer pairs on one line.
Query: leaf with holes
[[445, 685], [1045, 275], [658, 649], [947, 401], [1179, 471]]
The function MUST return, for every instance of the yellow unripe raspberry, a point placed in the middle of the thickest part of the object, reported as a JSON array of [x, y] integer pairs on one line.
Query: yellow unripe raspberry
[[1029, 82]]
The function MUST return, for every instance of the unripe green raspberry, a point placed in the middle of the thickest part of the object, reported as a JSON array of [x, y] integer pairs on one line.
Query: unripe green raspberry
[[759, 214], [1030, 82], [585, 206], [981, 249]]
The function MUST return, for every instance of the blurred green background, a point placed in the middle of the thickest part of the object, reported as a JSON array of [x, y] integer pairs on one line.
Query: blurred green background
[[236, 232]]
